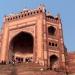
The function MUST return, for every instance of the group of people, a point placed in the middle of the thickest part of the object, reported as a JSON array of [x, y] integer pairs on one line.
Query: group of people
[[30, 59], [13, 61], [22, 60], [3, 62]]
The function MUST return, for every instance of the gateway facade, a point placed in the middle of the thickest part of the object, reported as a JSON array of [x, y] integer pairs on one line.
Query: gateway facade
[[35, 35]]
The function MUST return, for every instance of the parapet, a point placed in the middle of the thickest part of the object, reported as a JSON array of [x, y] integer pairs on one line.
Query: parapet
[[28, 12], [24, 13]]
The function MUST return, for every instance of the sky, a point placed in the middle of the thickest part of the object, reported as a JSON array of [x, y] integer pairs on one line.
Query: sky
[[66, 8]]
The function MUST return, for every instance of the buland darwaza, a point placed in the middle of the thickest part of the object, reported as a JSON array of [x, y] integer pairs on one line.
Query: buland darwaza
[[35, 36]]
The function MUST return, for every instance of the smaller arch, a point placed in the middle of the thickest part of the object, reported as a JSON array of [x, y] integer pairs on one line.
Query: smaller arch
[[31, 13], [22, 15], [51, 30], [25, 15], [52, 44], [34, 12], [16, 17], [40, 11], [8, 19], [28, 13], [53, 62], [37, 12], [19, 16]]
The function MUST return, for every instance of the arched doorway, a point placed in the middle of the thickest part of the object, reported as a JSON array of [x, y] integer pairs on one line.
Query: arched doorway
[[21, 47], [53, 62]]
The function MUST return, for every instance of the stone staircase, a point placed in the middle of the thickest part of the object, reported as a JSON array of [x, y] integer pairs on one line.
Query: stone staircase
[[5, 69], [26, 69]]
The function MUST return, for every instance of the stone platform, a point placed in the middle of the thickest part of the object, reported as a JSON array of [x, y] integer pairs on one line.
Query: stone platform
[[26, 69]]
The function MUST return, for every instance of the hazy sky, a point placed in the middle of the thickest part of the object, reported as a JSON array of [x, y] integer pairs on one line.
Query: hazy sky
[[66, 8]]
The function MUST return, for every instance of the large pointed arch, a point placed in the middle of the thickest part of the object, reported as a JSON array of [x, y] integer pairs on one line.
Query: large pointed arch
[[21, 46]]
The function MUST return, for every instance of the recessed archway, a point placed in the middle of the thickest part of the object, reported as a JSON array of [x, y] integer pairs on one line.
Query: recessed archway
[[53, 62], [21, 46], [51, 30]]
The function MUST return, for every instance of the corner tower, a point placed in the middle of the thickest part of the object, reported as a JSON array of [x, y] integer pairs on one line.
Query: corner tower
[[54, 42]]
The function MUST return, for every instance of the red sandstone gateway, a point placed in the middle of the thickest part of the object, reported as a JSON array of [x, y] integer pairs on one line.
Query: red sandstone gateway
[[36, 36]]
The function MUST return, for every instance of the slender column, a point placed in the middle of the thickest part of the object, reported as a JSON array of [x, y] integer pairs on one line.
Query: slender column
[[4, 43], [40, 48]]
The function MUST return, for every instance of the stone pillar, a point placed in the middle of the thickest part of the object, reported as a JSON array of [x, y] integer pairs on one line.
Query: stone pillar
[[24, 59], [45, 59], [4, 47], [45, 43], [40, 41]]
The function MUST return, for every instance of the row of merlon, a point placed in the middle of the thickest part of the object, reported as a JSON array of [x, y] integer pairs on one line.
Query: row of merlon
[[23, 15]]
